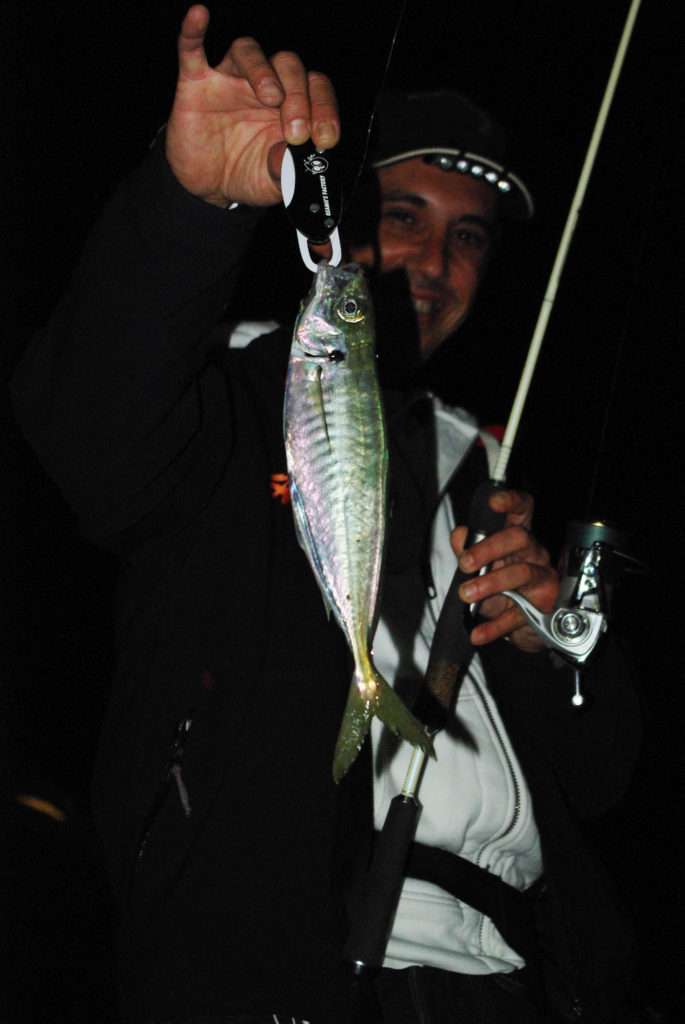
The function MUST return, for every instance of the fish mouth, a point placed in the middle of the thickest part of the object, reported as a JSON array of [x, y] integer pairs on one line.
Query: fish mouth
[[342, 270]]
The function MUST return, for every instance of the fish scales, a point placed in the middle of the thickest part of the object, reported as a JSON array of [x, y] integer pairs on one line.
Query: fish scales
[[337, 463], [341, 479]]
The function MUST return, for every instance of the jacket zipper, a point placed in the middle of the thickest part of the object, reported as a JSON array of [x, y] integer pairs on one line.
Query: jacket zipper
[[510, 766], [515, 783]]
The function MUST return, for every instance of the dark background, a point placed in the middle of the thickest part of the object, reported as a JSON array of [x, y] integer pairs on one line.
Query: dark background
[[88, 85]]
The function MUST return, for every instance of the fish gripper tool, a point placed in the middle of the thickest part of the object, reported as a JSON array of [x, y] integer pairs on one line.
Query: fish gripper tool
[[312, 196]]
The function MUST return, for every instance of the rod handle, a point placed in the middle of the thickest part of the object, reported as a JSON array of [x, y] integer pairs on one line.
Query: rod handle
[[483, 520], [368, 938]]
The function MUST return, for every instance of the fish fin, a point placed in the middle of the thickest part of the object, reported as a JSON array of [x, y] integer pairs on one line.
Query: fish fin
[[306, 541], [353, 730], [391, 710]]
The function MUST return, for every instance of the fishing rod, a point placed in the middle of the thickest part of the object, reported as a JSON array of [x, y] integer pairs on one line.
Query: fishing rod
[[547, 305], [573, 630]]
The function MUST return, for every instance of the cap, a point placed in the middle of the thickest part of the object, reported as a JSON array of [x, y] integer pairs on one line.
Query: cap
[[450, 131]]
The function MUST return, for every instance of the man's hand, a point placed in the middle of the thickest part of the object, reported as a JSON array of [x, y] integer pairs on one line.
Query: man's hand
[[517, 562], [229, 125]]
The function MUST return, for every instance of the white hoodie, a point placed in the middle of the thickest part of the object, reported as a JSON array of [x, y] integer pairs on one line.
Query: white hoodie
[[474, 799]]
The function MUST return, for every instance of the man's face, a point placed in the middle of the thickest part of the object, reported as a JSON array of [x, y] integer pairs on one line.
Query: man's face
[[438, 226]]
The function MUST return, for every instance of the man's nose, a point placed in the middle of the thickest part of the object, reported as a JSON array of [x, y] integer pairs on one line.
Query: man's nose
[[432, 256]]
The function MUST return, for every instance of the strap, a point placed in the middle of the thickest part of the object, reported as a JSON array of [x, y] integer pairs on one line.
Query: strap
[[451, 649], [510, 910]]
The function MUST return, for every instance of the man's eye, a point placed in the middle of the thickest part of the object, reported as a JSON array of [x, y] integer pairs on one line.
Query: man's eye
[[404, 217], [465, 238]]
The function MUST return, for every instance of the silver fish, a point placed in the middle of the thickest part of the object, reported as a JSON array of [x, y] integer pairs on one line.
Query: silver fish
[[337, 463]]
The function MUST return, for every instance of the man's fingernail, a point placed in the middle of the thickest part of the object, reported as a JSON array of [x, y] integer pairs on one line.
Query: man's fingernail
[[298, 131], [270, 93], [468, 591], [466, 563], [325, 134]]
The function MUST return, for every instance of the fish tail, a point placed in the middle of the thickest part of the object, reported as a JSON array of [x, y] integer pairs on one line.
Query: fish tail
[[359, 711], [355, 725]]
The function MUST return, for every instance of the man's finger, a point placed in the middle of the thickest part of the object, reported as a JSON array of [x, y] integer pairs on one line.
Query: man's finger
[[458, 539], [324, 110], [503, 625], [516, 576], [539, 585], [192, 60], [510, 541], [524, 637], [295, 109], [247, 59], [518, 506]]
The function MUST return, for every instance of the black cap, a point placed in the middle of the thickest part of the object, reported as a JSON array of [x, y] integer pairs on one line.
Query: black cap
[[447, 129]]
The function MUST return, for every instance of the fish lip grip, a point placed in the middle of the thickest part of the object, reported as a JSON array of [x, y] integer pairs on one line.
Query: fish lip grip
[[312, 196]]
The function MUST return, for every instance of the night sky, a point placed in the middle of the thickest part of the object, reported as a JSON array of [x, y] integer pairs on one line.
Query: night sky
[[89, 84]]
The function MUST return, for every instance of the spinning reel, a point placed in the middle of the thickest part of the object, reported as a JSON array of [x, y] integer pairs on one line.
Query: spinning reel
[[592, 562]]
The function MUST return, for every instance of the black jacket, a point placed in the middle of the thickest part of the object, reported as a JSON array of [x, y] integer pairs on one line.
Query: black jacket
[[228, 844]]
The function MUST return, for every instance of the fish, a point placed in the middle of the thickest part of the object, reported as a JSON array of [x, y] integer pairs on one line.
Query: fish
[[337, 458]]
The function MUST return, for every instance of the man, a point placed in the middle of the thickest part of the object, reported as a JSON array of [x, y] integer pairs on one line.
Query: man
[[230, 849]]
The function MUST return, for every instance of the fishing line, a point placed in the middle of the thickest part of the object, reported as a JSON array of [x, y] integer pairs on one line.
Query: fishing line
[[638, 262], [613, 386], [384, 76]]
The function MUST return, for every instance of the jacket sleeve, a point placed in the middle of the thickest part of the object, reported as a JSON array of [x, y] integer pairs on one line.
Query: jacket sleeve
[[118, 395], [591, 752]]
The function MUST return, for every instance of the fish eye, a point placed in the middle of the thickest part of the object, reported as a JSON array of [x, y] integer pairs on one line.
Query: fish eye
[[350, 311]]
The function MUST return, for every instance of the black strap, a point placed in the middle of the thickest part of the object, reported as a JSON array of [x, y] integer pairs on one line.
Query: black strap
[[508, 908], [451, 649]]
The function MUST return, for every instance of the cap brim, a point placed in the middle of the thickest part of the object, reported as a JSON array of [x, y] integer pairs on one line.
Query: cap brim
[[516, 202]]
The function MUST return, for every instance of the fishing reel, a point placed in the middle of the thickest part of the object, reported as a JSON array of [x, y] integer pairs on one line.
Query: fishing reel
[[592, 561]]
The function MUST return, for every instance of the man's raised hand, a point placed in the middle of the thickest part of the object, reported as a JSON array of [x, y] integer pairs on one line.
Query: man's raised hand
[[230, 124]]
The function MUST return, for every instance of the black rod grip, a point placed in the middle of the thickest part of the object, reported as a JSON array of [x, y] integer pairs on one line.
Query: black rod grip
[[369, 935], [483, 520]]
